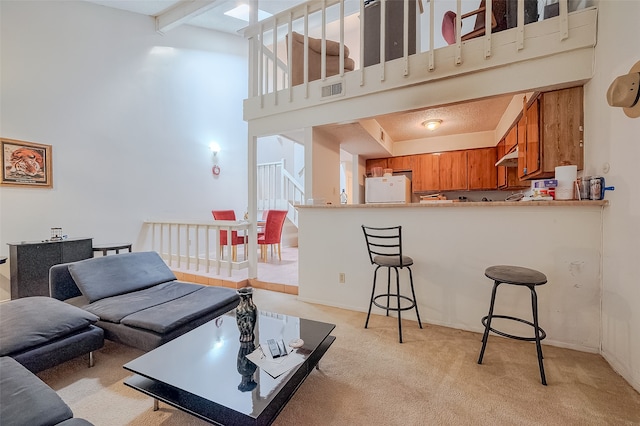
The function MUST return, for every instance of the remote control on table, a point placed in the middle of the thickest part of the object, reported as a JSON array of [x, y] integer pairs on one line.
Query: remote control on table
[[273, 348]]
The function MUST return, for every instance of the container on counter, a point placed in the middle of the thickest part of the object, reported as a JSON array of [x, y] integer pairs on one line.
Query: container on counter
[[595, 188], [584, 185]]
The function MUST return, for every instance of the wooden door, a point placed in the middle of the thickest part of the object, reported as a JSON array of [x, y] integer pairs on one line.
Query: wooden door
[[426, 173], [482, 170], [453, 171]]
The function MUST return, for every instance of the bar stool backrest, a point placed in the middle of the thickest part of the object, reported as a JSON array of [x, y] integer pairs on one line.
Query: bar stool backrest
[[385, 242]]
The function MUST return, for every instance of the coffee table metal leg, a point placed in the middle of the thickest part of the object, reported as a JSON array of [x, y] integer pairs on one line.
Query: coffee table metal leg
[[156, 404]]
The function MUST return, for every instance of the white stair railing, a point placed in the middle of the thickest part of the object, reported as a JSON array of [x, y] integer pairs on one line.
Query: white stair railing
[[196, 244], [278, 190]]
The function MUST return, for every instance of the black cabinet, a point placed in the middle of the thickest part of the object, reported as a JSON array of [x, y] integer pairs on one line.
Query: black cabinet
[[394, 31], [30, 263]]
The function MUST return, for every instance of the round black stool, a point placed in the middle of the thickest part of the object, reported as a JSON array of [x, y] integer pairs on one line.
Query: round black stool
[[515, 275]]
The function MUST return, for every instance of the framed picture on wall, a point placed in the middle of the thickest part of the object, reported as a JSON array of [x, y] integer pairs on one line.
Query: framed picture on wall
[[26, 164]]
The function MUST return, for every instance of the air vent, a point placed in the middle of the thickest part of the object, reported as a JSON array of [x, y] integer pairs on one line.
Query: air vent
[[332, 90]]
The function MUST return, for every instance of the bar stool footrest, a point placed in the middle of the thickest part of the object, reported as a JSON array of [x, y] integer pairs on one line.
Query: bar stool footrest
[[543, 334], [394, 296]]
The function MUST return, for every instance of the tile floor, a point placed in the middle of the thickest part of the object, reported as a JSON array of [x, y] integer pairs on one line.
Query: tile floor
[[274, 275]]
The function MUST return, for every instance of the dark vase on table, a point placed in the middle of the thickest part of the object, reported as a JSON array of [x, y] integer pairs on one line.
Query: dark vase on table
[[246, 368], [246, 314]]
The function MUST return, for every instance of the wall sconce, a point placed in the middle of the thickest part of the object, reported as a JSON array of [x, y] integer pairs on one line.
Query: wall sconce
[[215, 149], [432, 124]]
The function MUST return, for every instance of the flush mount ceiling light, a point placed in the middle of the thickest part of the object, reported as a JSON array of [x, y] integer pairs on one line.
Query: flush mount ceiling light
[[432, 124]]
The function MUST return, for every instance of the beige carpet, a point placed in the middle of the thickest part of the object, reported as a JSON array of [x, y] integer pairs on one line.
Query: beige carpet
[[368, 378]]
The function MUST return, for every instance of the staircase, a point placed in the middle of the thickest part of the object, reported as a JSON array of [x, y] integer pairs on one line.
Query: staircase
[[278, 190]]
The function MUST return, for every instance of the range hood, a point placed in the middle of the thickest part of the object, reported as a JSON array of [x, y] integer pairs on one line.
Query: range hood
[[509, 160]]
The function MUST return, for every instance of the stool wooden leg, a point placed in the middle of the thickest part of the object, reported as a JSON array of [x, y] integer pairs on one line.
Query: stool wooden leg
[[534, 308], [485, 337]]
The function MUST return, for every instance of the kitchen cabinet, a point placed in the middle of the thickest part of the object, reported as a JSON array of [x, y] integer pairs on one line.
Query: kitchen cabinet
[[508, 176], [453, 171], [376, 162], [554, 134], [482, 172], [401, 163], [501, 171], [31, 261], [426, 173]]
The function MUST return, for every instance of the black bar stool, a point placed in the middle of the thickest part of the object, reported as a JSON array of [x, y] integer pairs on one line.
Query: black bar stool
[[516, 275], [385, 251]]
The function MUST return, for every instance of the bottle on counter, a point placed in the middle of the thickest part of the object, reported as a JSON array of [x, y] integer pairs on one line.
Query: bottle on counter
[[343, 197]]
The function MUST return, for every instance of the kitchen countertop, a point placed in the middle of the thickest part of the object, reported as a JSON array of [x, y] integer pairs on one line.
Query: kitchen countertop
[[458, 204]]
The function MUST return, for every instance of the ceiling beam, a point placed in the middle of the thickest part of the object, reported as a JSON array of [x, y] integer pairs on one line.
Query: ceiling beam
[[182, 12]]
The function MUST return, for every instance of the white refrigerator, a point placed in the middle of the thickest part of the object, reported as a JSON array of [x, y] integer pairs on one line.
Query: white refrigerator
[[392, 189]]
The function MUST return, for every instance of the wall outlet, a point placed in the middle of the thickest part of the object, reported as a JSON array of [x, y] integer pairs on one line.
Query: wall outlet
[[341, 278]]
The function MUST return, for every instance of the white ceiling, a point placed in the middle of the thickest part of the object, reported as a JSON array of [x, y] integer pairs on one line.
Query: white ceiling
[[469, 117], [213, 16]]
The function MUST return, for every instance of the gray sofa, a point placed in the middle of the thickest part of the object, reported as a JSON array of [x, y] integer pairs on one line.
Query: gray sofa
[[137, 298], [40, 332], [28, 401]]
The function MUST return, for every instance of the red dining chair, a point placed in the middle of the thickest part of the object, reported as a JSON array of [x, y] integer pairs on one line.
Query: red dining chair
[[262, 222], [235, 238], [272, 232]]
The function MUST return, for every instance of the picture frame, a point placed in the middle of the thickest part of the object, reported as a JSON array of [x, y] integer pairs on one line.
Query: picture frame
[[25, 164]]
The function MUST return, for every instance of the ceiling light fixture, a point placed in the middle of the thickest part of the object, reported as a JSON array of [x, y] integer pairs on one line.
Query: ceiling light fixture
[[432, 124]]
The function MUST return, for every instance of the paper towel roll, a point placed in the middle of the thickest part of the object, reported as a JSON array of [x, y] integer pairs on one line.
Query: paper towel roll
[[566, 177]]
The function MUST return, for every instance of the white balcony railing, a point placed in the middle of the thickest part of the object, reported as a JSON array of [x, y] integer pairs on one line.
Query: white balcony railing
[[196, 245], [270, 41]]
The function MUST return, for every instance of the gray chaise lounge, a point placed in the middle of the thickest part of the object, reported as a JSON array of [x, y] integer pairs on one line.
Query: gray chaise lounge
[[137, 297], [41, 332]]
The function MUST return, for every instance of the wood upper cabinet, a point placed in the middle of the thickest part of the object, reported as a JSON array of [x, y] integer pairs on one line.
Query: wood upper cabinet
[[426, 173], [511, 138], [404, 162], [482, 170], [453, 171], [376, 162], [554, 134], [501, 171]]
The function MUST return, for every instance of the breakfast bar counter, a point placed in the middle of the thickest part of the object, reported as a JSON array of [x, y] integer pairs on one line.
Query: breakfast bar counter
[[456, 203], [452, 244]]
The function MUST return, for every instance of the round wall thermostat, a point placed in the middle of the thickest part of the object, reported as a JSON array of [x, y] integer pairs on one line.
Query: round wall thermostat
[[296, 343]]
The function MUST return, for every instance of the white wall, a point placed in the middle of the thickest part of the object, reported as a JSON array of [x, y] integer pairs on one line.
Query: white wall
[[322, 167], [129, 113], [613, 138], [451, 247]]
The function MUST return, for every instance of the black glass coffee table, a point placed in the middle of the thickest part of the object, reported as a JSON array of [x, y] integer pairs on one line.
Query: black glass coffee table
[[205, 372]]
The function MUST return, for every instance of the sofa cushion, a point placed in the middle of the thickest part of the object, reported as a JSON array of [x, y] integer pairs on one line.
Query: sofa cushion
[[169, 316], [113, 309], [108, 276], [31, 321], [26, 400]]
